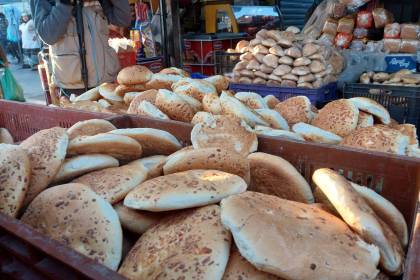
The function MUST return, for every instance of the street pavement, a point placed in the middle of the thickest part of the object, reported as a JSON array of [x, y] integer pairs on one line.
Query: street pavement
[[30, 82]]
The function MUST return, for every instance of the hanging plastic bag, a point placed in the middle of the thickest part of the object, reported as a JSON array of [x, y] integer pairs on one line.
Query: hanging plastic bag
[[11, 89]]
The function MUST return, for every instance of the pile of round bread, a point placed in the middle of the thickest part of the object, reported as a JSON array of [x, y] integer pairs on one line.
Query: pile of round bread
[[400, 78], [117, 97], [277, 58], [215, 210]]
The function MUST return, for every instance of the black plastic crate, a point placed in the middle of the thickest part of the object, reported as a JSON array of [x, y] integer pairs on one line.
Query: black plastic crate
[[403, 103]]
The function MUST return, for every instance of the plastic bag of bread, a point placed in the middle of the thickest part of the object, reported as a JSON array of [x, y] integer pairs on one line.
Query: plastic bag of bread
[[392, 31], [364, 19], [409, 46], [382, 17], [330, 27], [392, 45], [327, 39], [345, 25], [360, 33], [353, 5], [410, 31], [343, 40], [357, 45], [325, 10], [375, 46]]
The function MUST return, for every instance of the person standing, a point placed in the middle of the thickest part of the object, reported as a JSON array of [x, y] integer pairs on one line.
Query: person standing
[[13, 35], [56, 25], [30, 43], [3, 31]]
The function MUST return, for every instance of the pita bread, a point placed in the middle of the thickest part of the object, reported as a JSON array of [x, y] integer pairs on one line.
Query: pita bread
[[252, 100], [295, 110], [15, 173], [239, 268], [361, 218], [372, 107], [220, 82], [202, 117], [162, 81], [113, 184], [153, 141], [409, 130], [174, 106], [133, 75], [208, 158], [194, 88], [386, 211], [148, 95], [137, 221], [315, 134], [91, 95], [274, 118], [129, 97], [271, 132], [174, 71], [378, 138], [271, 101], [5, 136], [90, 128], [79, 165], [191, 244], [265, 227], [153, 165], [183, 190], [276, 176], [413, 151], [104, 103], [118, 146], [46, 150], [211, 104], [121, 90], [74, 215], [194, 103], [107, 90], [339, 117], [233, 107], [149, 110], [365, 120], [225, 132]]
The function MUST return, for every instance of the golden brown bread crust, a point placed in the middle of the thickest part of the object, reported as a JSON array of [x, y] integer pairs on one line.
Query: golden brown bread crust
[[132, 75], [295, 110], [89, 128], [148, 95]]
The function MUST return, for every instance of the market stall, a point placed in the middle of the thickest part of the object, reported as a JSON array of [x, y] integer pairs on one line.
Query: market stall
[[288, 165]]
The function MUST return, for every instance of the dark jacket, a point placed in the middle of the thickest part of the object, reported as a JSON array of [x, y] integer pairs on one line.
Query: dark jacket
[[52, 17]]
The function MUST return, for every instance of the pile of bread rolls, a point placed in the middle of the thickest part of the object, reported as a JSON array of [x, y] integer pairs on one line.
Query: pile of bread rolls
[[277, 58], [215, 210], [400, 78]]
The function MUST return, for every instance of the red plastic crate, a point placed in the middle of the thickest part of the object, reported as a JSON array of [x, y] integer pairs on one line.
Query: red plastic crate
[[201, 51]]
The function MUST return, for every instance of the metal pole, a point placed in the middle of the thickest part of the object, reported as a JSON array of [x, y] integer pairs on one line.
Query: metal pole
[[162, 5]]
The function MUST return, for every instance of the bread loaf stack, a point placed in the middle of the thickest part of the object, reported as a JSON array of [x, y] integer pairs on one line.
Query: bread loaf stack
[[277, 58], [400, 78], [216, 210]]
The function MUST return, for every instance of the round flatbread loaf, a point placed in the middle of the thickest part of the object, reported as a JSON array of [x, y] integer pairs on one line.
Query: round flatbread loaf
[[90, 128], [234, 107], [191, 244], [386, 211], [91, 95], [378, 138], [162, 81], [148, 95], [271, 132], [361, 218], [174, 106], [365, 120], [107, 91], [265, 228], [202, 117], [133, 75], [372, 107], [153, 165], [79, 165], [208, 158], [153, 141], [80, 219], [113, 184], [251, 99], [315, 134], [295, 110], [149, 110], [194, 88], [137, 221], [5, 136], [226, 133], [276, 176], [194, 103], [273, 118], [271, 101], [211, 104], [46, 150], [174, 71], [118, 146], [239, 268], [339, 117], [121, 90], [183, 190], [15, 173], [220, 82], [408, 130]]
